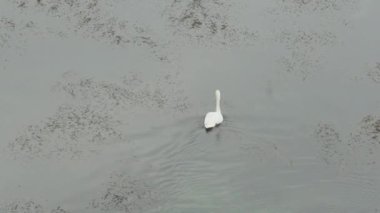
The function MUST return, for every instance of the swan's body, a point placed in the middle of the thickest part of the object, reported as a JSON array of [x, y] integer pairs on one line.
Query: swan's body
[[214, 118]]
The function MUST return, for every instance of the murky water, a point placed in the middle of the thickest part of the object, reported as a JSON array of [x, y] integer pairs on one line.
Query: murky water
[[102, 105]]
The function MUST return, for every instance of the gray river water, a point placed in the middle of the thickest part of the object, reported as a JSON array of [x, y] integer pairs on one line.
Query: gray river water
[[102, 106]]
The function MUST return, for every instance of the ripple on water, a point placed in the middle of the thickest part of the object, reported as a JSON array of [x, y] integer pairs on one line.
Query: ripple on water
[[298, 7], [359, 189], [374, 73], [28, 206], [125, 194], [92, 116], [365, 141], [360, 149], [356, 155], [199, 169], [331, 144], [91, 19], [207, 22]]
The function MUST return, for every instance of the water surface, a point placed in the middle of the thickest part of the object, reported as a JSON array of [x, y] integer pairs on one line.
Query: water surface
[[102, 105]]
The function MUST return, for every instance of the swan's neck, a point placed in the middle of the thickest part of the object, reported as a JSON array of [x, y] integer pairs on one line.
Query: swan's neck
[[218, 102]]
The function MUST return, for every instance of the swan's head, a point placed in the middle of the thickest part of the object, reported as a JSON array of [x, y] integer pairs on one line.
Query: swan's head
[[217, 94]]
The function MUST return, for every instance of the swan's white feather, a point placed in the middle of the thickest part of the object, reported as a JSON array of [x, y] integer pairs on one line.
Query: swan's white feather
[[214, 118]]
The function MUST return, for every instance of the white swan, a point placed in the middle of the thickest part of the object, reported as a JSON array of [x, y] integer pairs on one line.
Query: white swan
[[214, 118]]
